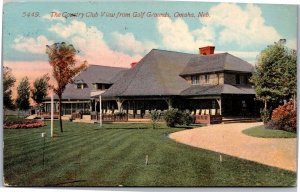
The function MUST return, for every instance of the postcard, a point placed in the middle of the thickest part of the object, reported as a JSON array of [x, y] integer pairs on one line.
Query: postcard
[[149, 94]]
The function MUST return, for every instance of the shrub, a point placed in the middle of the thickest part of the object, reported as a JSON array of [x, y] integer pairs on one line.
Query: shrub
[[155, 116], [285, 118], [23, 124], [265, 115], [175, 117]]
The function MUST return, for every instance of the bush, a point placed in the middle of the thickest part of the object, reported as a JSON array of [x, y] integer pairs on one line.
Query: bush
[[155, 116], [23, 124], [285, 118], [265, 115], [175, 117]]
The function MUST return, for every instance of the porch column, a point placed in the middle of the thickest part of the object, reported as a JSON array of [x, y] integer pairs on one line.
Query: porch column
[[119, 104], [170, 103], [219, 100]]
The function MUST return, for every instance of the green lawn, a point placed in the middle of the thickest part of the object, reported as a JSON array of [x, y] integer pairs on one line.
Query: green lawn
[[86, 155], [261, 131]]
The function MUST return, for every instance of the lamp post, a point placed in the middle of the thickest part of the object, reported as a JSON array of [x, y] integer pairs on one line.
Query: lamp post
[[100, 104], [52, 109]]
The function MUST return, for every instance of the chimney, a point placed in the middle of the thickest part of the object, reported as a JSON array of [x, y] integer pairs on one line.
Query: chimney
[[133, 64], [208, 50]]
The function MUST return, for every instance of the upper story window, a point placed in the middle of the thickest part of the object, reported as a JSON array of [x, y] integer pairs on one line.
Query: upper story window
[[237, 79], [195, 79], [245, 79], [101, 86], [81, 85], [206, 79]]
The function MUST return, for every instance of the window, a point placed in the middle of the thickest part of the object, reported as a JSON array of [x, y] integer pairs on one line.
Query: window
[[206, 77], [245, 80], [195, 80], [81, 85], [237, 79]]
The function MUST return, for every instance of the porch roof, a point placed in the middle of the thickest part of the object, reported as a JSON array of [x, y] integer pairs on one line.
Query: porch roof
[[195, 90]]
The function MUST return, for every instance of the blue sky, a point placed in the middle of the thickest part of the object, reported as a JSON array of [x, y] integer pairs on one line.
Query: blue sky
[[240, 29]]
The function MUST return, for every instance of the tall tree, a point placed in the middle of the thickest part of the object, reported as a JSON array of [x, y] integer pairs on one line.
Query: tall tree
[[62, 60], [23, 89], [40, 88], [8, 82], [275, 74]]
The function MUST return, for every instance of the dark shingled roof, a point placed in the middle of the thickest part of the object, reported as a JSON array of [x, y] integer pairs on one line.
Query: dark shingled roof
[[92, 74], [199, 90], [156, 74], [216, 62]]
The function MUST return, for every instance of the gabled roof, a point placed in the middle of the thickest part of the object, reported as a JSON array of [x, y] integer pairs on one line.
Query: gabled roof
[[92, 74], [201, 90], [216, 62], [157, 74]]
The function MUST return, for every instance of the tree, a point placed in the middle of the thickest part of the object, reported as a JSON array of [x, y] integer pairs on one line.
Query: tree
[[40, 88], [62, 60], [23, 89], [8, 82], [275, 74]]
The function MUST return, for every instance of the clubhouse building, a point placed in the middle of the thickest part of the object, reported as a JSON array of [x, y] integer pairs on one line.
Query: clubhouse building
[[204, 84]]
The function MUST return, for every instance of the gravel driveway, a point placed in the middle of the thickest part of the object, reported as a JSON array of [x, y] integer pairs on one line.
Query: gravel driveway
[[229, 139]]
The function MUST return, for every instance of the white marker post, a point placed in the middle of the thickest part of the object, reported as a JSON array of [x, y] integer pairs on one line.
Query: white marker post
[[52, 109], [100, 102]]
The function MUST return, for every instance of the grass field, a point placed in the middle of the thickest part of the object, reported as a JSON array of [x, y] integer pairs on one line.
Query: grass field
[[261, 131], [86, 155]]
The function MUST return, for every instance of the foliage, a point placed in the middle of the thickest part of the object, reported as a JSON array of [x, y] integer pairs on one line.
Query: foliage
[[155, 116], [40, 88], [62, 60], [175, 117], [265, 115], [285, 118], [22, 100], [24, 124], [275, 74], [8, 82]]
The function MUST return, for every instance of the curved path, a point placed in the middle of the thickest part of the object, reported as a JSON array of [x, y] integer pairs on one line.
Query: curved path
[[229, 139]]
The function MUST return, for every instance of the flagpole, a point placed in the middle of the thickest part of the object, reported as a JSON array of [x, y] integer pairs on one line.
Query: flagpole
[[100, 101], [52, 109]]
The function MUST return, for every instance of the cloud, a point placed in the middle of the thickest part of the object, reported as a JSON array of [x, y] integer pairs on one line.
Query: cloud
[[48, 17], [89, 41], [244, 27], [31, 45], [127, 43], [176, 35], [227, 24]]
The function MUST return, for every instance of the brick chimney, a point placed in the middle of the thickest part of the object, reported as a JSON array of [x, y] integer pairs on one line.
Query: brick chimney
[[133, 64], [208, 50]]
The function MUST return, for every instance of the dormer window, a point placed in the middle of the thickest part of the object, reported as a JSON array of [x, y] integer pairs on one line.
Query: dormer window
[[245, 80], [206, 79], [101, 86], [81, 85], [237, 79], [195, 79]]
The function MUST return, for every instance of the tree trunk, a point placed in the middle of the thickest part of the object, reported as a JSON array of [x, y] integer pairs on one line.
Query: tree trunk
[[59, 109], [265, 105]]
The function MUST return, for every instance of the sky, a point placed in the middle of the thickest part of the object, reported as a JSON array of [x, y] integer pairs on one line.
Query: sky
[[104, 37]]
